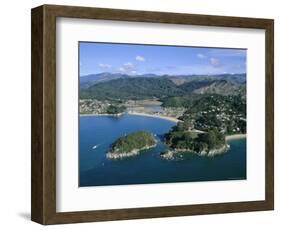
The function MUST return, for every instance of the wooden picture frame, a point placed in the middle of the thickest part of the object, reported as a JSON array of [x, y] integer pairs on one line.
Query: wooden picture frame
[[43, 208]]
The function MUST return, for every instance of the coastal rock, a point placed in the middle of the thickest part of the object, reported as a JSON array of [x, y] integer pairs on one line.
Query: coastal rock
[[168, 155], [134, 152], [218, 151], [171, 154]]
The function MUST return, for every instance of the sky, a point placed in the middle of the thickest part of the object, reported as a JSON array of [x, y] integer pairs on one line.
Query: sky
[[171, 60]]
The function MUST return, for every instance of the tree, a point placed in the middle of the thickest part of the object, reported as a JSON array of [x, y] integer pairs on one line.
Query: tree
[[213, 138], [112, 109]]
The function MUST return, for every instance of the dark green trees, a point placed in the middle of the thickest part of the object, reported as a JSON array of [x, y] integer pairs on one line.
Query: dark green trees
[[134, 141], [114, 109], [178, 138]]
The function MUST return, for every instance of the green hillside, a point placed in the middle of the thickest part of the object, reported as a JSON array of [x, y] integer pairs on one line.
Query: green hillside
[[134, 141], [158, 87], [131, 88]]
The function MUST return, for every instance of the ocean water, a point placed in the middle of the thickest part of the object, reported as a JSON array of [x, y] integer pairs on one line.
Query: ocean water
[[148, 167]]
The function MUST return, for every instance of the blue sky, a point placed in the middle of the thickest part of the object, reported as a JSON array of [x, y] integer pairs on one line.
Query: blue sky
[[172, 60]]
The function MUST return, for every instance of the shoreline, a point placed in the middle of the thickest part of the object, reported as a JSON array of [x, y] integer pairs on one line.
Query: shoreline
[[134, 152], [173, 119], [235, 136], [101, 115], [170, 154]]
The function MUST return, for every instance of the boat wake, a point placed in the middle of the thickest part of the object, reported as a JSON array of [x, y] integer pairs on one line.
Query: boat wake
[[95, 146]]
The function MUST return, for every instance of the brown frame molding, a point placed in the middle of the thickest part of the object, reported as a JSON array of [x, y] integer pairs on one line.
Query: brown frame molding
[[43, 188]]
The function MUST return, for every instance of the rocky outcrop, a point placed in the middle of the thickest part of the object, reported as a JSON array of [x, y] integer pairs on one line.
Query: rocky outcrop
[[134, 152], [170, 154]]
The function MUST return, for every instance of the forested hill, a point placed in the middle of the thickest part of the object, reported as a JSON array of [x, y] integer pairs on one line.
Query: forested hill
[[91, 79], [159, 87], [132, 88], [223, 87]]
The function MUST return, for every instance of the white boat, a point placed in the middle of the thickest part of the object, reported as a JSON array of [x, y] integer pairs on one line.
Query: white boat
[[95, 146]]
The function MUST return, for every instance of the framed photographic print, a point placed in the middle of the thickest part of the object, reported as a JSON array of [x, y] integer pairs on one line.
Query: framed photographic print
[[141, 114]]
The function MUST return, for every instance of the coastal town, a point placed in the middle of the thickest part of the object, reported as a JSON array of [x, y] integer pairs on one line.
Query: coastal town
[[133, 107], [224, 113], [206, 110], [203, 125]]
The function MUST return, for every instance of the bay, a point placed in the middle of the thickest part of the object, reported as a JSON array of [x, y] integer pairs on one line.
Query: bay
[[97, 133]]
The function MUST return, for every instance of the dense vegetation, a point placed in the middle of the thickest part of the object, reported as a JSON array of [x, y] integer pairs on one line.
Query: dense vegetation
[[91, 79], [131, 88], [157, 87], [114, 109], [138, 140], [180, 138], [215, 115], [225, 113]]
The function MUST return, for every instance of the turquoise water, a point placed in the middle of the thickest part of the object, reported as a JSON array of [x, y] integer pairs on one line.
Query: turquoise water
[[148, 167]]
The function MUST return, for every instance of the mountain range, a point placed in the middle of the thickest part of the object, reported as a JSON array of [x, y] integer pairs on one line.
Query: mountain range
[[121, 86], [91, 79]]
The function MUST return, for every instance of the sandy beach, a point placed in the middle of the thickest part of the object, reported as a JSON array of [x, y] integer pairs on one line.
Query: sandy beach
[[235, 136], [131, 113], [173, 119], [156, 116], [101, 115]]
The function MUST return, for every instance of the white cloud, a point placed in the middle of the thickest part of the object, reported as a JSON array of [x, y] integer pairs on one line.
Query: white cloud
[[128, 68], [104, 66], [215, 62], [201, 56], [140, 58]]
